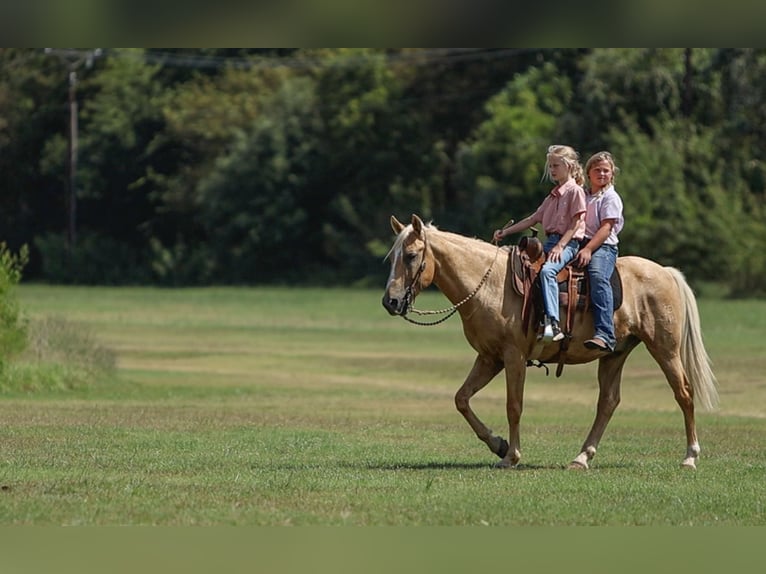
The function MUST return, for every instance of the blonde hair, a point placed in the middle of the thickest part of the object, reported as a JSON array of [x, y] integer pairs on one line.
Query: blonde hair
[[602, 156], [570, 157]]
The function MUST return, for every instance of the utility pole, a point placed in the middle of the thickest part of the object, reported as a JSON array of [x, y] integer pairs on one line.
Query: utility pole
[[73, 58]]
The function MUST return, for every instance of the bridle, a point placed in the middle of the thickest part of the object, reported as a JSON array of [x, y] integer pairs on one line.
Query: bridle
[[409, 291]]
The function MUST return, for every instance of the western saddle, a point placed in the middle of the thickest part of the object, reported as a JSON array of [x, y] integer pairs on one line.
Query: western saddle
[[527, 258]]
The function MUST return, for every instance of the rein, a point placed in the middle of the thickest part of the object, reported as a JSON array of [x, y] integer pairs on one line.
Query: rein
[[408, 294]]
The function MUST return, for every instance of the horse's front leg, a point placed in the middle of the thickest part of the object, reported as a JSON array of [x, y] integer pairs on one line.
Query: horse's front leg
[[609, 379], [515, 373], [483, 371]]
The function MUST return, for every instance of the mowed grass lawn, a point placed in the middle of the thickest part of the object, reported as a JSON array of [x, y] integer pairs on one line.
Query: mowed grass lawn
[[267, 406]]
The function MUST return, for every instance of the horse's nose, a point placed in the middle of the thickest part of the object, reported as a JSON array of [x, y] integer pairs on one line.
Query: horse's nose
[[391, 305]]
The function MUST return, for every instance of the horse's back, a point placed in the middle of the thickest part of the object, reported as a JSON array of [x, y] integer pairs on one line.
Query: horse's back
[[639, 269], [651, 296], [641, 277]]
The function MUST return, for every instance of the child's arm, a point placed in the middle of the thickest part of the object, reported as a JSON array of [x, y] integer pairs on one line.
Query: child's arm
[[525, 223], [577, 221], [583, 257]]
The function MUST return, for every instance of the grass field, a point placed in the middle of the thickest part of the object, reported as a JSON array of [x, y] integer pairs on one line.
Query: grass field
[[314, 407]]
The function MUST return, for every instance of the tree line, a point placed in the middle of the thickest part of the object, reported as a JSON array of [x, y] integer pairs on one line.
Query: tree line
[[283, 166]]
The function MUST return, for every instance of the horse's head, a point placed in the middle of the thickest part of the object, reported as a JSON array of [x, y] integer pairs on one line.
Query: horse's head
[[412, 267]]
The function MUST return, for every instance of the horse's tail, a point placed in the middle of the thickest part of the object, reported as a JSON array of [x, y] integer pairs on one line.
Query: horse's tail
[[694, 357]]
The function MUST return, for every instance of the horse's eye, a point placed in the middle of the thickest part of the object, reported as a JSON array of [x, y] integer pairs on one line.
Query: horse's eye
[[410, 256]]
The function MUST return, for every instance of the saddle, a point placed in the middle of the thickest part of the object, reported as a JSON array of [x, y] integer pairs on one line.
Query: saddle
[[527, 258]]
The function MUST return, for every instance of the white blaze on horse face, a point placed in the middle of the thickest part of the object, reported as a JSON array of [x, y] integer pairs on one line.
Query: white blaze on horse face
[[396, 258]]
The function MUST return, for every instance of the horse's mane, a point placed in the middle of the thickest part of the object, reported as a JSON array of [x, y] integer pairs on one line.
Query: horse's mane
[[399, 241]]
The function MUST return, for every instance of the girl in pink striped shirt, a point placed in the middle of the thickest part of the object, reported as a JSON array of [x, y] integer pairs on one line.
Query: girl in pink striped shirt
[[561, 214]]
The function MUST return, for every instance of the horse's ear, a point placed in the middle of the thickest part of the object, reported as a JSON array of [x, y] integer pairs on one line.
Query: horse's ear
[[417, 224], [396, 225]]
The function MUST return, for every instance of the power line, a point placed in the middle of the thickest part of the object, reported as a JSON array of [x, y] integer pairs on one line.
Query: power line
[[415, 57]]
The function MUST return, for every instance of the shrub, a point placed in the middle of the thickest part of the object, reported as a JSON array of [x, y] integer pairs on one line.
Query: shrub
[[12, 325], [95, 260], [60, 355]]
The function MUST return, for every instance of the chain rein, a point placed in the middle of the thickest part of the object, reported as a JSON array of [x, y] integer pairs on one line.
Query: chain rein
[[450, 310]]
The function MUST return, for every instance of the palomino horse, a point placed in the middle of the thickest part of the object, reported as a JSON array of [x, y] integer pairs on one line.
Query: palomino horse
[[658, 309]]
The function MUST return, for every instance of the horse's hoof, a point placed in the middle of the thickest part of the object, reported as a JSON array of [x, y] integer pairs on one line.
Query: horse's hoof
[[503, 464], [690, 464], [575, 465], [503, 450]]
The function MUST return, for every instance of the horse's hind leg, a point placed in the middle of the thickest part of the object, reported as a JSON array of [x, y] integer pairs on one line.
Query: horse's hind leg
[[671, 365], [609, 379], [483, 371]]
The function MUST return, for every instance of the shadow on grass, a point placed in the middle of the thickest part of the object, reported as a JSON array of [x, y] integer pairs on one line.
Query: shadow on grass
[[419, 465], [447, 466], [471, 465]]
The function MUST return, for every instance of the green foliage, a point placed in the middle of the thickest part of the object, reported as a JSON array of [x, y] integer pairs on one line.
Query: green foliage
[[96, 259], [125, 96], [60, 356], [42, 354], [200, 166], [203, 118], [625, 88], [748, 272], [254, 214], [31, 109], [679, 208], [372, 153], [121, 114], [181, 264], [12, 324], [503, 163]]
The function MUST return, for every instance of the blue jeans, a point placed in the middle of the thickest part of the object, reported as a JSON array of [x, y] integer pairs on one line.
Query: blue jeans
[[600, 271], [550, 270]]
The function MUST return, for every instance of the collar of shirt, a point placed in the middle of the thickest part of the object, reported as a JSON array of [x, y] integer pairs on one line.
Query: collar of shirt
[[600, 194], [559, 190]]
